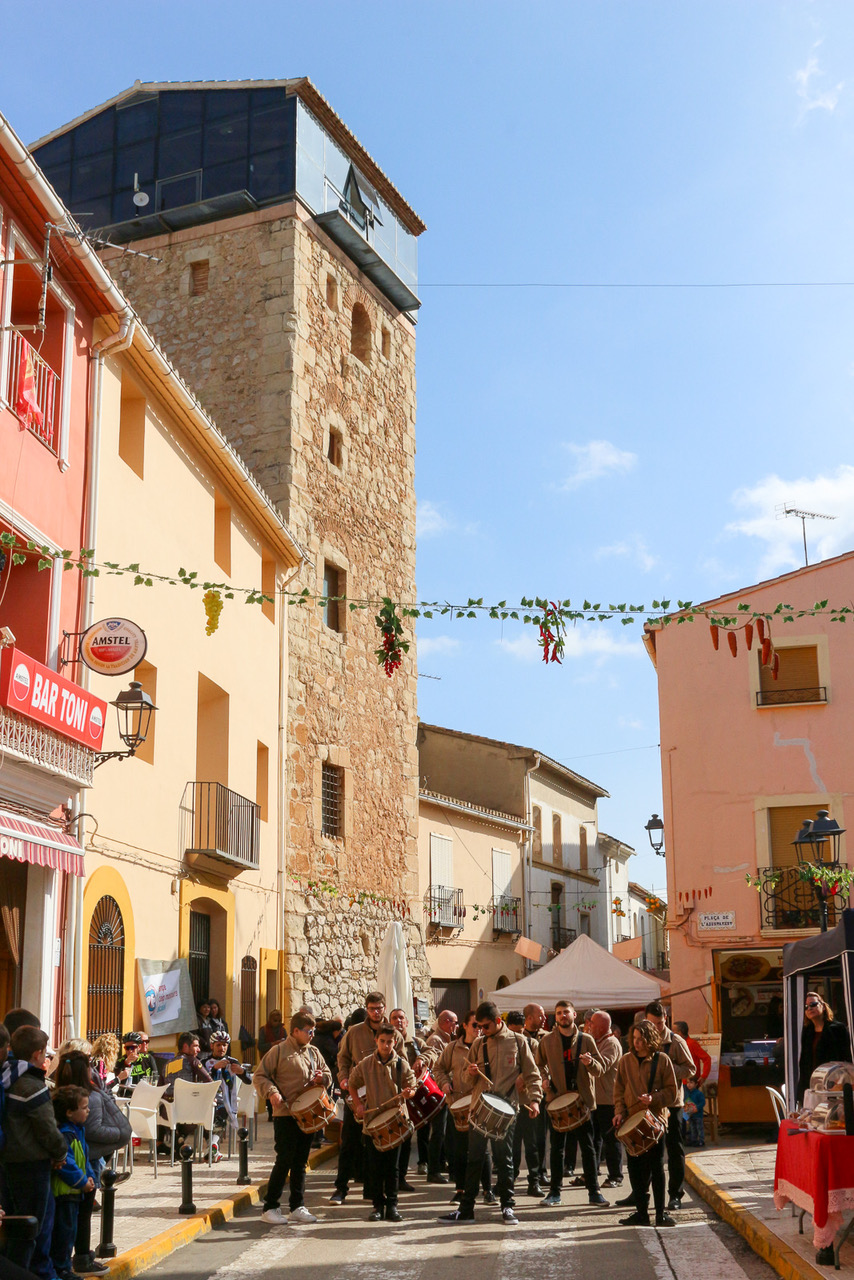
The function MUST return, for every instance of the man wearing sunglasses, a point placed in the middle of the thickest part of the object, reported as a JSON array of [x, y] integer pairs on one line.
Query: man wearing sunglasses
[[291, 1066], [501, 1063]]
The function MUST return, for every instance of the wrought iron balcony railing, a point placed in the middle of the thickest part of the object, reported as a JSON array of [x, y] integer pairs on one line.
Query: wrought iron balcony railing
[[790, 902], [789, 697], [46, 389], [221, 824], [561, 937], [29, 741], [443, 907], [507, 914]]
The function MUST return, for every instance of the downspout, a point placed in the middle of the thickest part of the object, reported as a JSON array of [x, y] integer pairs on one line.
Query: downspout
[[528, 869], [282, 790], [110, 345]]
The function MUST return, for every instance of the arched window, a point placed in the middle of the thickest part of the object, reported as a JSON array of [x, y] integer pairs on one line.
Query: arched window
[[249, 993], [105, 988], [360, 334], [537, 824]]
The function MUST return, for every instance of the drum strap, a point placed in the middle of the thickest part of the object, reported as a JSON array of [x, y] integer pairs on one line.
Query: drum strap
[[652, 1069]]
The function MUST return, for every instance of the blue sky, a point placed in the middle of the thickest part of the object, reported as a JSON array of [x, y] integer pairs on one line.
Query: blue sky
[[616, 442]]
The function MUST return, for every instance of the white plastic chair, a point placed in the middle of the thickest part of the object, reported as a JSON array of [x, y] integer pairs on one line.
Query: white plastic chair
[[143, 1114], [247, 1107], [778, 1102], [193, 1104]]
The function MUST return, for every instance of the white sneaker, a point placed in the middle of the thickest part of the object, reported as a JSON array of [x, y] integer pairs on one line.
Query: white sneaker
[[275, 1217], [301, 1215]]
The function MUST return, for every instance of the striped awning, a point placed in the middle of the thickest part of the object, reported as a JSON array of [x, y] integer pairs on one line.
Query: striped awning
[[36, 842]]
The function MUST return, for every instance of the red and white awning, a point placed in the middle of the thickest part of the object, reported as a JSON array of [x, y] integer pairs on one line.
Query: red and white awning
[[36, 842]]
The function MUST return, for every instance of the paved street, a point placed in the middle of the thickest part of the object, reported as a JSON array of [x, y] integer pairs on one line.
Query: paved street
[[574, 1243]]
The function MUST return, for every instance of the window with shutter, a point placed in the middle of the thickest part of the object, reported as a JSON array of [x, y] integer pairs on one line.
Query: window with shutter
[[557, 841], [537, 824], [441, 861], [790, 902], [797, 678]]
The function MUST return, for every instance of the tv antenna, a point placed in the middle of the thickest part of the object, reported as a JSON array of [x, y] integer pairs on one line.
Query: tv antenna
[[784, 510]]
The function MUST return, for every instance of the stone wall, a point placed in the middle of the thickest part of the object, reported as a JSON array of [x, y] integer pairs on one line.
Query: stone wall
[[267, 348]]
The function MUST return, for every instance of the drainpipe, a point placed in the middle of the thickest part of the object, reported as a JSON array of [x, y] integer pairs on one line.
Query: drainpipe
[[282, 789], [110, 345], [529, 852]]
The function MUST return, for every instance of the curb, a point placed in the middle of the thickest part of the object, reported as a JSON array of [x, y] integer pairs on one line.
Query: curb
[[787, 1262], [144, 1256]]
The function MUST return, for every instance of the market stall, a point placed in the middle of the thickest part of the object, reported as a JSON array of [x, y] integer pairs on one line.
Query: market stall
[[825, 963]]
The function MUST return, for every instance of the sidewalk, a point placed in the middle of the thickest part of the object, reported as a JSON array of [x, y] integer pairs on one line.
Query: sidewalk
[[148, 1225], [738, 1183]]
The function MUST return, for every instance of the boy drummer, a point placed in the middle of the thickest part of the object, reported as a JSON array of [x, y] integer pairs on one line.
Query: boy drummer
[[385, 1075]]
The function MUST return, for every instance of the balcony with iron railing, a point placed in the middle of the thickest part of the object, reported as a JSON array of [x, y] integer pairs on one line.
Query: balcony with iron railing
[[444, 907], [790, 697], [46, 386], [23, 739], [506, 915], [789, 902], [562, 937], [220, 829]]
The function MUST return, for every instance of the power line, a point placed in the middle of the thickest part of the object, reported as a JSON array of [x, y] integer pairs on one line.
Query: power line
[[597, 284], [621, 751]]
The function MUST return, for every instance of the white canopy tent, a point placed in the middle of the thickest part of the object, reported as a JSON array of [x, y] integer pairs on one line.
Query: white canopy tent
[[588, 976]]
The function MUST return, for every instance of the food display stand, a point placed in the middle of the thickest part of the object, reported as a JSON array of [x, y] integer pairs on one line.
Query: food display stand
[[824, 962]]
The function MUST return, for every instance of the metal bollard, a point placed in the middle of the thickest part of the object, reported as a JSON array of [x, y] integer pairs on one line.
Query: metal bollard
[[185, 1155], [243, 1157], [107, 1248]]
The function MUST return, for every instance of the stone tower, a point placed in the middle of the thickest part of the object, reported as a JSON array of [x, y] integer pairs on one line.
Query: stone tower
[[283, 289]]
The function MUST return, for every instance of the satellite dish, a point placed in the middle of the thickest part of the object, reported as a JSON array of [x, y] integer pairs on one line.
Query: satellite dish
[[140, 199]]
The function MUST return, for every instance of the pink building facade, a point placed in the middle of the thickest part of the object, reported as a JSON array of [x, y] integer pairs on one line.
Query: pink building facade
[[745, 759]]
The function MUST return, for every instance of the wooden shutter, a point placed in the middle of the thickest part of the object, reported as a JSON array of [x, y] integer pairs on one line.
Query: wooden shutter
[[537, 824], [441, 861], [502, 873], [798, 673], [557, 840], [784, 823]]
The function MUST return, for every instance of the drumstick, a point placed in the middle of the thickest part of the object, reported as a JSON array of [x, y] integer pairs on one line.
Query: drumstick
[[374, 1111]]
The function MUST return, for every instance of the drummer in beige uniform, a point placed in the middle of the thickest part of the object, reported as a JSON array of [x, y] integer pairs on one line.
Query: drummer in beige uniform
[[498, 1058], [358, 1042], [451, 1074], [646, 1081], [286, 1071], [570, 1062], [385, 1075], [436, 1044]]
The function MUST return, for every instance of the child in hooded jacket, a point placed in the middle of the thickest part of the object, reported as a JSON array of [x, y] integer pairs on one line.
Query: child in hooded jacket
[[73, 1178]]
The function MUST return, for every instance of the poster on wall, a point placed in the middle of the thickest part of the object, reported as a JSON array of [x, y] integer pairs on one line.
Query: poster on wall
[[711, 1042], [166, 996]]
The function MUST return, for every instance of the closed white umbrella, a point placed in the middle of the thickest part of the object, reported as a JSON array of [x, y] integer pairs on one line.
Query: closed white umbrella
[[393, 973]]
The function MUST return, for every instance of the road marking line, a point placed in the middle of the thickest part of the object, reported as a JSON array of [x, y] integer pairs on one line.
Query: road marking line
[[689, 1251]]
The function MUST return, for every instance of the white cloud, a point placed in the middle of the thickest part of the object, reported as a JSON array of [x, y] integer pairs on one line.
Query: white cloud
[[596, 459], [429, 520], [430, 646], [831, 495], [625, 722], [634, 547], [589, 641], [812, 97]]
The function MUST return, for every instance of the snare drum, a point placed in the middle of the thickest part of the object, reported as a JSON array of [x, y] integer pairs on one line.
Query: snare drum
[[641, 1132], [427, 1100], [389, 1129], [567, 1111], [492, 1116], [460, 1113], [313, 1109]]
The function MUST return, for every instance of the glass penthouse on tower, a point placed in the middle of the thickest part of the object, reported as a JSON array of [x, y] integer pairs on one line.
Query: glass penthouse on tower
[[161, 157]]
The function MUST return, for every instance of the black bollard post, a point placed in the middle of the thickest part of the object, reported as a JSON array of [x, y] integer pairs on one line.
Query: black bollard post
[[107, 1248], [185, 1155], [243, 1157]]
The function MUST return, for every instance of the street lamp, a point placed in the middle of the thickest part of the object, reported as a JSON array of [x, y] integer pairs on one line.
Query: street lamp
[[817, 845], [134, 709], [655, 830]]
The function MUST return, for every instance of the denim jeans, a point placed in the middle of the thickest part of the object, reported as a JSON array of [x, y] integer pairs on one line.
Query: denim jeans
[[28, 1188], [64, 1231]]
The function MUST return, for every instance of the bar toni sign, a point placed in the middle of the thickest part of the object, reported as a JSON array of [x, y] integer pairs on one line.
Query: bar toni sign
[[34, 691]]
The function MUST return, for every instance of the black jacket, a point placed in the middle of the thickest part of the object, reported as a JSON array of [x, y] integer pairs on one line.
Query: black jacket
[[833, 1045]]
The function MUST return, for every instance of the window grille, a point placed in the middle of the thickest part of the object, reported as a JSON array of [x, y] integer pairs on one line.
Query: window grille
[[332, 802], [106, 982], [199, 957]]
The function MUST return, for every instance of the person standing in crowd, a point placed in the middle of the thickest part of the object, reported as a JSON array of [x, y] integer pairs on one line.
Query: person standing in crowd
[[499, 1058], [530, 1131], [205, 1027], [610, 1051], [33, 1144], [19, 1018], [327, 1037], [385, 1074], [287, 1070], [73, 1179], [701, 1059], [217, 1017], [646, 1081], [693, 1113], [272, 1031], [415, 1052], [104, 1055], [823, 1040], [358, 1043], [683, 1067], [570, 1062], [452, 1076], [436, 1044]]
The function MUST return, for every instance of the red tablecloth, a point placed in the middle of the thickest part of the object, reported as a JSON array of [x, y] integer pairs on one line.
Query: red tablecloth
[[816, 1171]]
